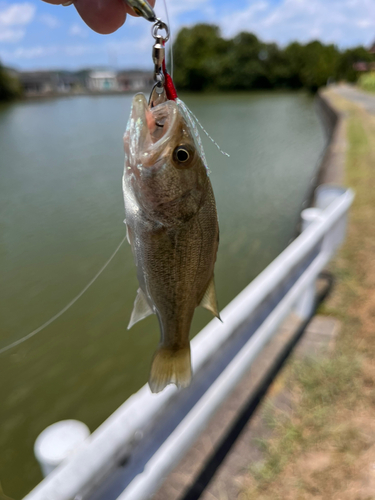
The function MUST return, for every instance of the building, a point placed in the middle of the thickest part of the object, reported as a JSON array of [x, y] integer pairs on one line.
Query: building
[[135, 80], [68, 81], [99, 81], [39, 83], [36, 83]]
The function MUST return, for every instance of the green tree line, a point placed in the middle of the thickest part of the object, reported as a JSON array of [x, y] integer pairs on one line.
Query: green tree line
[[10, 87], [205, 61]]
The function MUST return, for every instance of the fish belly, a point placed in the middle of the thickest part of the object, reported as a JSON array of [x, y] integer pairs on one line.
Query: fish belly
[[175, 266]]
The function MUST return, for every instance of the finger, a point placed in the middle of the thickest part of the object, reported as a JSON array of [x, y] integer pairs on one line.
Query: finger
[[127, 7], [55, 2], [102, 16]]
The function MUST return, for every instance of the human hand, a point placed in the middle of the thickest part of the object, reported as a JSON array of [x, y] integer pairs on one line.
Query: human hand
[[102, 16]]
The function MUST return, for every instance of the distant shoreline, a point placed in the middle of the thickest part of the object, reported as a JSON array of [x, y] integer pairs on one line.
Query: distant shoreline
[[146, 91], [36, 96], [53, 95]]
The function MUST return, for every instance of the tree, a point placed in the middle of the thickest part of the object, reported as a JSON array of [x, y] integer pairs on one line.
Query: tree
[[294, 57], [312, 65], [346, 69], [243, 67], [10, 87], [197, 55], [320, 65], [277, 67], [206, 61]]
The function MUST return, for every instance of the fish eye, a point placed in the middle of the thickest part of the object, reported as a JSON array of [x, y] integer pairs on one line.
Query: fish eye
[[182, 155]]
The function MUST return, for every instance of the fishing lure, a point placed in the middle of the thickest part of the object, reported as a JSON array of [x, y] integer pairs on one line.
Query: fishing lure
[[142, 8]]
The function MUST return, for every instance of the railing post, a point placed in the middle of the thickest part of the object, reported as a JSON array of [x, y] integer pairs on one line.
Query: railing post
[[57, 442], [306, 302], [324, 196]]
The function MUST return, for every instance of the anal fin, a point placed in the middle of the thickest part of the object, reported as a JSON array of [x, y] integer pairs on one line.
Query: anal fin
[[141, 309], [209, 300]]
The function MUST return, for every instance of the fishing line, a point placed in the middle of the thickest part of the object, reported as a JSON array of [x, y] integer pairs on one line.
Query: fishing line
[[193, 125], [68, 306], [170, 37], [193, 121], [207, 134]]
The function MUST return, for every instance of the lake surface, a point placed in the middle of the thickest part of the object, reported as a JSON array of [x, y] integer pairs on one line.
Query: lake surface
[[61, 217]]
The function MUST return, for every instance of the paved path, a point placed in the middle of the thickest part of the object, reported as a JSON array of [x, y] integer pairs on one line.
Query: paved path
[[232, 476], [364, 99]]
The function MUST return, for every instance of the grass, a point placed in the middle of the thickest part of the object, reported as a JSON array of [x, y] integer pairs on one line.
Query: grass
[[367, 81], [324, 447]]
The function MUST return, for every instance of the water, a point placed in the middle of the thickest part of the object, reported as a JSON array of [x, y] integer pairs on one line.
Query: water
[[61, 217]]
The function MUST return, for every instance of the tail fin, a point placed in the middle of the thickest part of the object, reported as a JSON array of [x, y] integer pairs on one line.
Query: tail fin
[[170, 366]]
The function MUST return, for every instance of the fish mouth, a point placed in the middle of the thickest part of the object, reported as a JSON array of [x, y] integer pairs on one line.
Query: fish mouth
[[150, 129]]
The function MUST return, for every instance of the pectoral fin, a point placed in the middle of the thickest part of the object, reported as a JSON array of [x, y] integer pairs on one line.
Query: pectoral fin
[[209, 300], [2, 494], [141, 309], [128, 234]]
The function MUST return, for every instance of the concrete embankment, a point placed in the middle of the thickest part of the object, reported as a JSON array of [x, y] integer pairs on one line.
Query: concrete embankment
[[324, 446], [331, 169]]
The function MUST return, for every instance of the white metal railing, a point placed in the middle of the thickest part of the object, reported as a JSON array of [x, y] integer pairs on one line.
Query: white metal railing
[[279, 289]]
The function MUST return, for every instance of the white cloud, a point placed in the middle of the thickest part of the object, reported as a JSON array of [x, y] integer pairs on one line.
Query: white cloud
[[40, 51], [201, 10], [344, 22], [181, 7], [11, 35], [11, 16], [49, 20], [78, 30], [32, 52], [17, 14]]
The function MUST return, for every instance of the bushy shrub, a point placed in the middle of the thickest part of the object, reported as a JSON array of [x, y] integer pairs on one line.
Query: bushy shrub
[[206, 61], [367, 81], [10, 87]]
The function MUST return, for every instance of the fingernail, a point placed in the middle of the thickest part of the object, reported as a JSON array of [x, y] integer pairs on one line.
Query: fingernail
[[66, 4]]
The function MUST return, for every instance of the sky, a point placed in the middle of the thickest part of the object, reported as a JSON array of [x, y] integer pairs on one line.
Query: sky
[[37, 35]]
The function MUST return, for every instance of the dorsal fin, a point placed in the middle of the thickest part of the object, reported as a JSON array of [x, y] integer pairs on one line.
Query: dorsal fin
[[209, 300], [141, 309]]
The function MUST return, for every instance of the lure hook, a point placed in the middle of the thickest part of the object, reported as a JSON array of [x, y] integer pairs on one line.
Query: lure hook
[[158, 54], [158, 50], [163, 88]]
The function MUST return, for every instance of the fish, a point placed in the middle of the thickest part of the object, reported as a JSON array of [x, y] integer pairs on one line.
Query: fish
[[2, 494], [172, 227]]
